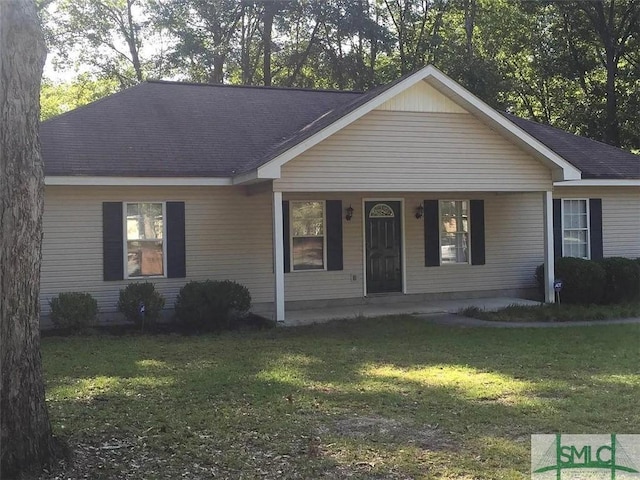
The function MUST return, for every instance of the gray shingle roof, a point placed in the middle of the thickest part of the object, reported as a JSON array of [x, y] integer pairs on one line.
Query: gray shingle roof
[[596, 160], [168, 129], [164, 129]]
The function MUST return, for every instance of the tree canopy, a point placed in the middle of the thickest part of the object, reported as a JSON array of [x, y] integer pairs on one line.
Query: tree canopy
[[572, 63]]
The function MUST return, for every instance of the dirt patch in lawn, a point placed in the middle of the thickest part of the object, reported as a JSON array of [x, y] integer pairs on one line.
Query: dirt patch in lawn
[[388, 430]]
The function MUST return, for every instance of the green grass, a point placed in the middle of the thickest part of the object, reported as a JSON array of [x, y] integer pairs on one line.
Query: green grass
[[555, 312], [393, 397]]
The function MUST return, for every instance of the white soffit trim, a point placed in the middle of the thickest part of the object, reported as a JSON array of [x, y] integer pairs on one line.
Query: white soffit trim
[[594, 182], [451, 89], [138, 181]]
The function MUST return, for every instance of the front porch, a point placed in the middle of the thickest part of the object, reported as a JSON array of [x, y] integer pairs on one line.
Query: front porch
[[402, 305], [502, 237]]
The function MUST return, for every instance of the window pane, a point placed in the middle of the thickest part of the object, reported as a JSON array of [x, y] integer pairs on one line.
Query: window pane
[[307, 219], [454, 228], [144, 258], [308, 253], [144, 221], [453, 248]]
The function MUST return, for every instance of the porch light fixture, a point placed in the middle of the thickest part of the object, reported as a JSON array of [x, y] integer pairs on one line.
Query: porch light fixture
[[419, 211], [349, 214]]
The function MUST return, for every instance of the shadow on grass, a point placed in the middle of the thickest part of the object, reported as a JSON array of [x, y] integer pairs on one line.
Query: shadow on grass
[[246, 402]]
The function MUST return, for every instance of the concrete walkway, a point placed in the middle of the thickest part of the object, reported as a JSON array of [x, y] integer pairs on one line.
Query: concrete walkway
[[451, 320], [320, 315], [439, 312]]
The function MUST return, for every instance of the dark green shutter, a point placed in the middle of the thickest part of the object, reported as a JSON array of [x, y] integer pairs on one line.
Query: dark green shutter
[[286, 237], [595, 228], [557, 228], [112, 241], [431, 233], [476, 212], [334, 234], [176, 248]]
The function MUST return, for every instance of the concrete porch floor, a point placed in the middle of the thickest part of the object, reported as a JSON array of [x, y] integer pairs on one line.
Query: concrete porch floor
[[320, 315]]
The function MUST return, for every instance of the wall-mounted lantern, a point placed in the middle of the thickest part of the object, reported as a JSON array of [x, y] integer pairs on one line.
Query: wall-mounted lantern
[[349, 213], [419, 211]]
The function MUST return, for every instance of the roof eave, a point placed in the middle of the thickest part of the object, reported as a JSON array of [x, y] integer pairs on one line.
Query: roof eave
[[113, 181], [600, 182]]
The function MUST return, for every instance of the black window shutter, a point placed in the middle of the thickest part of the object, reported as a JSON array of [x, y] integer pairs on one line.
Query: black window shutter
[[476, 211], [431, 234], [176, 248], [285, 241], [557, 228], [595, 231], [112, 241], [334, 234]]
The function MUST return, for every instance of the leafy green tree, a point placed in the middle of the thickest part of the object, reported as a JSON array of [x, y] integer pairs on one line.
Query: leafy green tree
[[57, 98], [104, 36]]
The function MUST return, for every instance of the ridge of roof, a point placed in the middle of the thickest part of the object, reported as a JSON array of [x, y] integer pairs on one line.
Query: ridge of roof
[[257, 87]]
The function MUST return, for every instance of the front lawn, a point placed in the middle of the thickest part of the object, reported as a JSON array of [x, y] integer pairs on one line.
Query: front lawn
[[393, 397]]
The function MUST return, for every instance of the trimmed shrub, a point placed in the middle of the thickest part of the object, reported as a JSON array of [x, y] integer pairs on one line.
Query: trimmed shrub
[[583, 281], [211, 305], [134, 296], [73, 310], [622, 279]]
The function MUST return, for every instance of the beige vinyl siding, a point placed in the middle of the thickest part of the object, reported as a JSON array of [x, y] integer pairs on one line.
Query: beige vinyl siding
[[513, 247], [513, 238], [620, 217], [324, 285], [228, 236], [422, 97], [409, 151]]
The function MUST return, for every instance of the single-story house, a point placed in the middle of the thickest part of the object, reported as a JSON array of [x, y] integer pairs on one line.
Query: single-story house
[[308, 197]]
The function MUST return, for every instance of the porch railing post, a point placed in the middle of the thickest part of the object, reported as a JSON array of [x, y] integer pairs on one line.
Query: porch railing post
[[549, 273], [278, 257]]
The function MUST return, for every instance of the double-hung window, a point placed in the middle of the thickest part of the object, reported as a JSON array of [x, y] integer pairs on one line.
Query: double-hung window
[[308, 243], [575, 228], [144, 243], [454, 231]]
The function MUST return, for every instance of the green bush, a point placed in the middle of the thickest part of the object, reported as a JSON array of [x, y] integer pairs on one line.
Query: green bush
[[134, 296], [211, 305], [583, 281], [73, 310], [622, 279]]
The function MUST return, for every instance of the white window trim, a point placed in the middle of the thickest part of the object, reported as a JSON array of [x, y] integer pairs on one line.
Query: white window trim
[[324, 237], [588, 229], [469, 220], [125, 249]]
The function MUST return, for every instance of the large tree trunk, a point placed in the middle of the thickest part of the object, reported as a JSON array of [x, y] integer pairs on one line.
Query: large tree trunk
[[26, 441]]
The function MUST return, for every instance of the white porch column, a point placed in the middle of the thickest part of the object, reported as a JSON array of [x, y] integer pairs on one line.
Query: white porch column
[[549, 273], [278, 256]]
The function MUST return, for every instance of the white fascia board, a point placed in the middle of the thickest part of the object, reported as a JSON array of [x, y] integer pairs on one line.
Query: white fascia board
[[623, 182], [137, 181], [269, 169], [562, 169], [255, 176]]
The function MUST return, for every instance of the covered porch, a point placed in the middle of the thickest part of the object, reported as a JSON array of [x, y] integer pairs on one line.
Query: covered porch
[[490, 263]]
